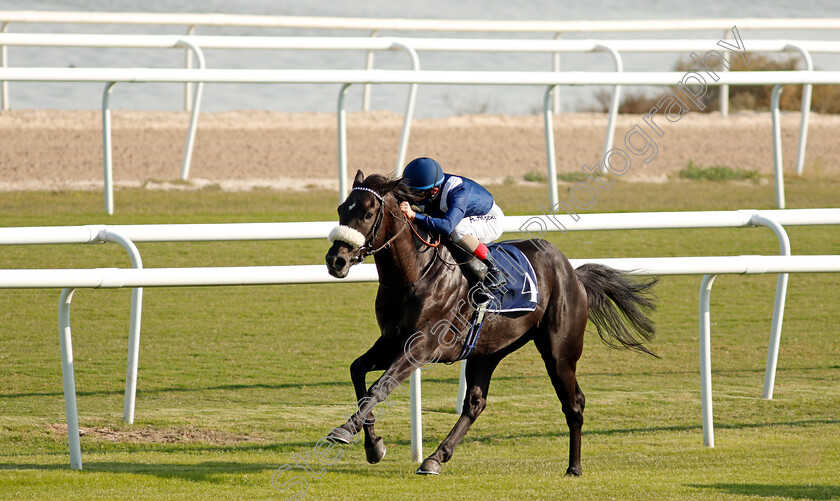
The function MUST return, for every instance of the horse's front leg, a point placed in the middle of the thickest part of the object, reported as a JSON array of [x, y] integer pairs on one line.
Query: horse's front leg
[[376, 358], [364, 417], [374, 448]]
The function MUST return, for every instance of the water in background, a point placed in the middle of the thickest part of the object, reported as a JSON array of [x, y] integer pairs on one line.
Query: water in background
[[432, 100]]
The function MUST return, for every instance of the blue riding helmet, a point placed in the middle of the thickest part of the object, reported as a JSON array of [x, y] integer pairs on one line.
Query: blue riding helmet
[[422, 174]]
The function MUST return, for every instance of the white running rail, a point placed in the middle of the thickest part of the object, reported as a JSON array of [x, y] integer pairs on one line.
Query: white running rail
[[126, 235], [349, 77], [351, 23], [69, 280], [375, 25], [197, 45]]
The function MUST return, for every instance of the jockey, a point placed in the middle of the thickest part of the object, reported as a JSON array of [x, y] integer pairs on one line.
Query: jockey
[[461, 209]]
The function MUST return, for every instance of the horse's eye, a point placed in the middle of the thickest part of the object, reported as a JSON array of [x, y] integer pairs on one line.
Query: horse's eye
[[369, 215]]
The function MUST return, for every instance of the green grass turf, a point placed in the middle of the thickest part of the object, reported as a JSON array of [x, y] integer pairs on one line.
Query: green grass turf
[[236, 382]]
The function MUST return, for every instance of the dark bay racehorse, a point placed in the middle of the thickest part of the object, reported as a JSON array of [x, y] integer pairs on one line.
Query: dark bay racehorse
[[422, 303]]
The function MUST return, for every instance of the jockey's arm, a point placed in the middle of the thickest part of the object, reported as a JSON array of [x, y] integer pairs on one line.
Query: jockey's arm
[[456, 208]]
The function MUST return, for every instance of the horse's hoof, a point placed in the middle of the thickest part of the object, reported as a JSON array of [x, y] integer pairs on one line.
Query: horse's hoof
[[573, 472], [429, 467], [340, 435], [376, 452]]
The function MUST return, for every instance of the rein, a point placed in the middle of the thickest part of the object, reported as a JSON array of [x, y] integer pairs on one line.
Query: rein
[[428, 244], [365, 251], [411, 284]]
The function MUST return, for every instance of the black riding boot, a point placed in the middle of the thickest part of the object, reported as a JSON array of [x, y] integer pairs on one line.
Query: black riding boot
[[494, 279], [474, 270]]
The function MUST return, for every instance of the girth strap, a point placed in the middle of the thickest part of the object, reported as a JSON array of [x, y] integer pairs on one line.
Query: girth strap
[[475, 330]]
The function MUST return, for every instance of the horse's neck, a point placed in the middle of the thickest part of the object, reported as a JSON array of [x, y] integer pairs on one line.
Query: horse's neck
[[403, 263]]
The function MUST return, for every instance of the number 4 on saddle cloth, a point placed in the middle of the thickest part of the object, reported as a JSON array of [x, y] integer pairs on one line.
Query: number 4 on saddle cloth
[[521, 293]]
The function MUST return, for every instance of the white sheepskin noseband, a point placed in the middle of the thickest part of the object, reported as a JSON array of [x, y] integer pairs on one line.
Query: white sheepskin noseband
[[347, 234]]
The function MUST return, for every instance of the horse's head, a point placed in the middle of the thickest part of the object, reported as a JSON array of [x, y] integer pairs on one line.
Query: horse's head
[[364, 221]]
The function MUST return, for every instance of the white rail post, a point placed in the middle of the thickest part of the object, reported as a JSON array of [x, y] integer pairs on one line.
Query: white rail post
[[190, 144], [69, 378], [706, 361], [462, 389], [4, 85], [553, 196], [343, 189], [724, 89], [106, 148], [188, 64], [778, 307], [616, 99], [805, 110], [368, 66], [557, 36], [416, 417], [134, 324], [777, 147], [409, 110]]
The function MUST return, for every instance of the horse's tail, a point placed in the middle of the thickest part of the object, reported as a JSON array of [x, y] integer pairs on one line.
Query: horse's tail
[[615, 301]]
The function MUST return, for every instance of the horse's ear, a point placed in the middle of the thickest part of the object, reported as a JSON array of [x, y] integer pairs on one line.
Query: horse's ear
[[359, 178]]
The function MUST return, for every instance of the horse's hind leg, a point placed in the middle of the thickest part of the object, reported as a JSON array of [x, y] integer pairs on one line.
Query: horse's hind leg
[[560, 354], [479, 372]]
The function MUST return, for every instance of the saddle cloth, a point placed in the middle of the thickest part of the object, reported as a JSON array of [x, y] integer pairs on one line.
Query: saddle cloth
[[521, 292]]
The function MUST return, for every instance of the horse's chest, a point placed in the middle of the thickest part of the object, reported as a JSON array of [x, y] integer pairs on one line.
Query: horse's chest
[[397, 313]]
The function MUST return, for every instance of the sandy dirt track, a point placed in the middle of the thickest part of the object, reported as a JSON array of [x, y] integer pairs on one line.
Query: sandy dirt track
[[50, 149]]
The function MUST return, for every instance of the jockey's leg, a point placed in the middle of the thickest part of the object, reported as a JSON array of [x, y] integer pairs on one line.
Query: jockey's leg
[[494, 278], [472, 233], [478, 267], [473, 269]]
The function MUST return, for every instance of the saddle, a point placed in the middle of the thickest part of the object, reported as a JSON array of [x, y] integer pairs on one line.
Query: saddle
[[521, 293]]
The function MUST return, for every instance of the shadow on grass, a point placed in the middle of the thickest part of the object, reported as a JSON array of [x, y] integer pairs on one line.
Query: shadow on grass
[[556, 433], [652, 429], [352, 463], [688, 372], [207, 471], [771, 490], [429, 379], [261, 386], [220, 472]]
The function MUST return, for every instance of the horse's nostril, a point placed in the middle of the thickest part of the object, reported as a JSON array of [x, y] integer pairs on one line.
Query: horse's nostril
[[335, 262]]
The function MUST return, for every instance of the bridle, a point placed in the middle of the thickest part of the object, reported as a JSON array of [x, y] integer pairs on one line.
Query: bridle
[[365, 250]]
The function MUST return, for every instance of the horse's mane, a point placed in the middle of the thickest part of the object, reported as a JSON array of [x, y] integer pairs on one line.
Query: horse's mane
[[386, 184], [395, 185]]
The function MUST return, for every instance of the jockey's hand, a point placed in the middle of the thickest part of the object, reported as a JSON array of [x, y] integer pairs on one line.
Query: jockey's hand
[[405, 207]]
